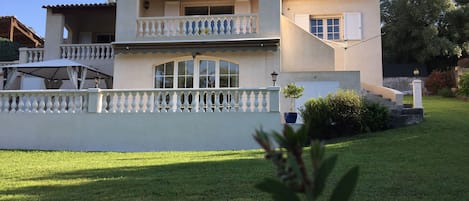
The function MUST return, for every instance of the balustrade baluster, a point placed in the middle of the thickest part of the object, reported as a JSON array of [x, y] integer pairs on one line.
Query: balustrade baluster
[[232, 101], [56, 104], [254, 24], [140, 27], [179, 95], [264, 101], [225, 102], [147, 28], [149, 102], [34, 104], [13, 104], [248, 101], [20, 103], [202, 96], [63, 104], [157, 105], [74, 53], [153, 28], [184, 27], [49, 103], [62, 49], [217, 101], [194, 107], [187, 95], [165, 102], [141, 103], [256, 101]]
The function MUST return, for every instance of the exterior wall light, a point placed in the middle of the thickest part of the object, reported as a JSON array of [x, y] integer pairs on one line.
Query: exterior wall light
[[274, 77], [146, 4], [416, 72]]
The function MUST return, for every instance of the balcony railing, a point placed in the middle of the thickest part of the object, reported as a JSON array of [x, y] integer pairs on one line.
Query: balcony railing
[[210, 25], [29, 55], [86, 51], [140, 101]]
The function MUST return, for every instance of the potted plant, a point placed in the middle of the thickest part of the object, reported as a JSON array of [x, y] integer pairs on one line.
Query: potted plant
[[292, 91]]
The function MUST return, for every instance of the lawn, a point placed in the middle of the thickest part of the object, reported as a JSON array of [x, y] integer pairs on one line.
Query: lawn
[[429, 161]]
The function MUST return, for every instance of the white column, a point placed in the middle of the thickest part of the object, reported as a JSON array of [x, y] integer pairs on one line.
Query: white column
[[54, 35], [274, 99], [94, 100], [417, 91]]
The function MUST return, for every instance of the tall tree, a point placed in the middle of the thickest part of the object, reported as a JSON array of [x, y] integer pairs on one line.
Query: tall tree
[[412, 31]]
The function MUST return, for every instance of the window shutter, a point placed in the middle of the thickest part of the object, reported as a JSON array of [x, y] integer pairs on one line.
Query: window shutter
[[352, 26], [302, 20]]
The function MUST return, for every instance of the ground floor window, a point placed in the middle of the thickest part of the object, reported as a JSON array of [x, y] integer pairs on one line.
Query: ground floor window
[[197, 73]]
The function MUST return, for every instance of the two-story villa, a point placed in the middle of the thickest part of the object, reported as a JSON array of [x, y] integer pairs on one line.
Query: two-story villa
[[200, 56]]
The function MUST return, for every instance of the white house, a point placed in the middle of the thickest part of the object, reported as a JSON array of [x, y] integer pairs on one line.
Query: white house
[[189, 74]]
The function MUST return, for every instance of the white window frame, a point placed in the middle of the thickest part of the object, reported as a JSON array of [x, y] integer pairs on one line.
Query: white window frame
[[324, 19], [196, 70]]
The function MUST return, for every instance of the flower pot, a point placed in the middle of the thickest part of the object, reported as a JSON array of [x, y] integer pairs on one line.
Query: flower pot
[[290, 117]]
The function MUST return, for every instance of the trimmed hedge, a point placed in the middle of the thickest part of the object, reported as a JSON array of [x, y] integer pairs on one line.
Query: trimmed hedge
[[343, 114], [9, 51]]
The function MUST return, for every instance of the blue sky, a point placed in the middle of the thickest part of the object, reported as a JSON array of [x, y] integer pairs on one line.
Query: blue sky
[[31, 13]]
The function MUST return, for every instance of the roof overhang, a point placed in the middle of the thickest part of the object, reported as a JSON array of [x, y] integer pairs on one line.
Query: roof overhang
[[220, 45]]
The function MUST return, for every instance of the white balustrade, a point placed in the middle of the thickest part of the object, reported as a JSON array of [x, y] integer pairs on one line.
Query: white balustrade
[[209, 25], [86, 51], [30, 55], [188, 100], [140, 101], [50, 101]]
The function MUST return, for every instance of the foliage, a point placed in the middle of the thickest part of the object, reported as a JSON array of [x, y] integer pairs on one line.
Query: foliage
[[9, 51], [464, 85], [292, 171], [438, 80], [412, 30], [445, 92], [375, 117], [335, 115], [292, 91]]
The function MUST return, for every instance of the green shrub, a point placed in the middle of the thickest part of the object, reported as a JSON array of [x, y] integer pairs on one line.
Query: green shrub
[[375, 117], [8, 50], [445, 92], [336, 115], [438, 80], [464, 85]]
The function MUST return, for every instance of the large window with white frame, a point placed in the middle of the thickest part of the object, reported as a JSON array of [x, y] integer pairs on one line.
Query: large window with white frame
[[326, 27], [197, 73]]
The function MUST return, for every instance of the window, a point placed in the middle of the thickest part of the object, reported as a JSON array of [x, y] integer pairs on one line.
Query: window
[[209, 10], [186, 74], [198, 73], [164, 75], [105, 38], [228, 74], [326, 28]]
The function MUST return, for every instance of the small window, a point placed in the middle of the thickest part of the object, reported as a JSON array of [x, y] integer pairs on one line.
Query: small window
[[209, 10], [326, 28]]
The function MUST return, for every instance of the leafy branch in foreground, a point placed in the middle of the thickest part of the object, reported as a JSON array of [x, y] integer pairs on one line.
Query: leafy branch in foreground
[[292, 171]]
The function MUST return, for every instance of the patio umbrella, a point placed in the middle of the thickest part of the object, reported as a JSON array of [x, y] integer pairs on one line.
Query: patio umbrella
[[59, 69]]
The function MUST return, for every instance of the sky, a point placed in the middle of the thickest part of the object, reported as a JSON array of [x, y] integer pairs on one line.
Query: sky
[[31, 13]]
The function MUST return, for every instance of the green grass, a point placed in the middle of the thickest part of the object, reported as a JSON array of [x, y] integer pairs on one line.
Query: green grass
[[429, 161]]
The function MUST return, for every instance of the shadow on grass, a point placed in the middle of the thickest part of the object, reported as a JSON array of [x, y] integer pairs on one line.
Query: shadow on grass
[[223, 180]]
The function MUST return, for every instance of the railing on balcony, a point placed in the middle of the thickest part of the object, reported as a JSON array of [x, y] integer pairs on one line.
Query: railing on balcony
[[86, 51], [141, 101], [30, 55], [210, 25]]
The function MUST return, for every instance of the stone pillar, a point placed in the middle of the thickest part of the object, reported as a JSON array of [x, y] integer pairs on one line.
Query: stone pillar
[[95, 100], [274, 99], [417, 91]]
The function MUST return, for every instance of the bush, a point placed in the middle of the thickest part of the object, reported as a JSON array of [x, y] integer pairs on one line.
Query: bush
[[8, 50], [464, 85], [336, 115], [445, 92], [375, 117], [438, 80], [343, 114]]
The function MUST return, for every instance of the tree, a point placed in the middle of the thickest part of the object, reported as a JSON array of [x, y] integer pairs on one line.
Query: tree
[[413, 31]]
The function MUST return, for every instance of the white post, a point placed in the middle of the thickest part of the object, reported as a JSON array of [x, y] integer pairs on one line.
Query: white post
[[417, 91], [274, 99], [95, 101]]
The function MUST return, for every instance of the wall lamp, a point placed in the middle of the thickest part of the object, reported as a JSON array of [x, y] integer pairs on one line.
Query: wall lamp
[[146, 4], [274, 77]]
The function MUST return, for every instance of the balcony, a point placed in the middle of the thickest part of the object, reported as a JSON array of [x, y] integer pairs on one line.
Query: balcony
[[197, 26]]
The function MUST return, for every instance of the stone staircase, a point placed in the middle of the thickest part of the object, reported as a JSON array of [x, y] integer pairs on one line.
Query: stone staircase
[[401, 115]]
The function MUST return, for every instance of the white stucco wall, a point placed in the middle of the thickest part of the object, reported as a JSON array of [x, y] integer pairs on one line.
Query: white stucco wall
[[137, 71], [134, 132], [364, 55]]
